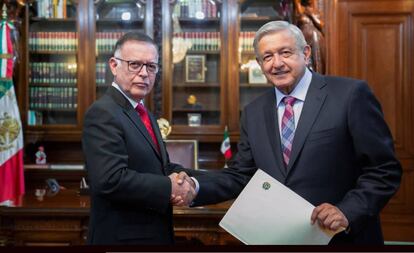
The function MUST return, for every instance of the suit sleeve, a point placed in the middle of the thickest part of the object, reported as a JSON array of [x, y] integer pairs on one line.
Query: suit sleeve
[[106, 156], [227, 183], [380, 171]]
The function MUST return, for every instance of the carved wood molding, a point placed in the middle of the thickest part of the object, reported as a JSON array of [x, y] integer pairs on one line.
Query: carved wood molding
[[157, 92], [308, 19]]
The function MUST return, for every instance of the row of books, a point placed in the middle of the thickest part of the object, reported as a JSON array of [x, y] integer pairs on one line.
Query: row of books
[[208, 41], [52, 72], [100, 73], [53, 41], [51, 8], [53, 97], [105, 41], [246, 41], [196, 9]]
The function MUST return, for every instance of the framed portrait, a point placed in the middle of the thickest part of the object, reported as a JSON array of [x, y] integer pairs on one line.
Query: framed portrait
[[194, 68], [256, 75]]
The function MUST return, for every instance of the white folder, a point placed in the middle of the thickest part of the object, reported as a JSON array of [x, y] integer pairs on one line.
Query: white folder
[[268, 213]]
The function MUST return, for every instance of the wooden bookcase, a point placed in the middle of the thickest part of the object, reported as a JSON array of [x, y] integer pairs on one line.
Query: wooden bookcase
[[64, 69], [206, 57]]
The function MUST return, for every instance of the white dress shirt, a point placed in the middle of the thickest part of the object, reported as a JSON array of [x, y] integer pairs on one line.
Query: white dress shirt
[[299, 92]]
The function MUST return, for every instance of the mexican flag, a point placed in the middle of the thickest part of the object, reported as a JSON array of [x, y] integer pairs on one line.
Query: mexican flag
[[225, 145], [11, 135]]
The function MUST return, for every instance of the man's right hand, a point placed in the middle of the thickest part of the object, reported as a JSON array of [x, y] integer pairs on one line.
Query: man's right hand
[[182, 189]]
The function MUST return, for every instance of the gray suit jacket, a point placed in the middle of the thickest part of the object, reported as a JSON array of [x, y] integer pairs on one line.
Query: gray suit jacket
[[342, 154]]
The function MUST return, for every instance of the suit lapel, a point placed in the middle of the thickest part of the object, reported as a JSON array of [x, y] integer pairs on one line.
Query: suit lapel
[[132, 115], [313, 103], [272, 128], [157, 133]]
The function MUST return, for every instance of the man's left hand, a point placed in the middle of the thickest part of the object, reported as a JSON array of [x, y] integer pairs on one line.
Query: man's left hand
[[329, 216]]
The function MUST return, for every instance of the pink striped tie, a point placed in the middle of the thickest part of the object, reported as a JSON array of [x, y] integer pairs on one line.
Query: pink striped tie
[[288, 128]]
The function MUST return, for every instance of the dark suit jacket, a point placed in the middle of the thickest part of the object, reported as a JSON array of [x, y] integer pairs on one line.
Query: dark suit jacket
[[130, 190], [342, 154]]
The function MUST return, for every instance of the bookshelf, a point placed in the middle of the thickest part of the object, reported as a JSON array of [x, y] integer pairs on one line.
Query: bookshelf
[[210, 71], [65, 46], [205, 50], [52, 48], [252, 15]]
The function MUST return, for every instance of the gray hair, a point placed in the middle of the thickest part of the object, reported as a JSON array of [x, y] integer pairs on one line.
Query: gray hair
[[277, 26], [132, 36]]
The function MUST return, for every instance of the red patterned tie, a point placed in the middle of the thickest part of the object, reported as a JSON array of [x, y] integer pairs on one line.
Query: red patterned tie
[[288, 128], [145, 119]]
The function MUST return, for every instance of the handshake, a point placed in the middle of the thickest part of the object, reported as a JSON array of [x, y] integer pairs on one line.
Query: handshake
[[182, 189]]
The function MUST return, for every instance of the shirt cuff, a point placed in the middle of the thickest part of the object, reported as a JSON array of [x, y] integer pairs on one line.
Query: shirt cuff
[[197, 188]]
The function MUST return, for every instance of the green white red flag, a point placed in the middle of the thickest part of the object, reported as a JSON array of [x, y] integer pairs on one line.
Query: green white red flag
[[225, 145], [11, 134]]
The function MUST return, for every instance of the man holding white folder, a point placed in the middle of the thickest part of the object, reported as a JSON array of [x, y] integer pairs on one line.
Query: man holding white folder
[[323, 137]]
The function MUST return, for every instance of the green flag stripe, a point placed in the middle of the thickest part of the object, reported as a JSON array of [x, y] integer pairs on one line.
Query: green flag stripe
[[5, 85], [3, 23]]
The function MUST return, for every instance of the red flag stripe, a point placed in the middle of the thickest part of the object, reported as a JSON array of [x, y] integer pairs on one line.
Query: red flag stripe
[[12, 178]]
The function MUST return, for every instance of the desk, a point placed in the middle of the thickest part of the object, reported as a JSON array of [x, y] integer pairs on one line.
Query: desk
[[63, 220]]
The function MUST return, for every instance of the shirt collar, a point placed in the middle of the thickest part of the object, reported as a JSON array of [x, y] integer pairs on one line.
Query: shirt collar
[[299, 92], [133, 102]]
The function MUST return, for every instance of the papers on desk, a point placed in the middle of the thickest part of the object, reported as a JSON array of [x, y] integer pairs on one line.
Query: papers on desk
[[267, 213]]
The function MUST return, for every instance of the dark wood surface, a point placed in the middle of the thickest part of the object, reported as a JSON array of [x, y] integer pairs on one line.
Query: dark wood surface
[[376, 44], [62, 219]]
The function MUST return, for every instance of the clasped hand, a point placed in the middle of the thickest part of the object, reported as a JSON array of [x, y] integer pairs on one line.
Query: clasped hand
[[182, 189]]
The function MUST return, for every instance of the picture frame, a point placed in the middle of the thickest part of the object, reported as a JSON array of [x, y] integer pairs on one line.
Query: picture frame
[[256, 75], [194, 119], [195, 68], [183, 152]]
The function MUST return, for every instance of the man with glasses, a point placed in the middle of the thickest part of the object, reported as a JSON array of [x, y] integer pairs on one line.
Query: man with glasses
[[133, 185], [324, 137]]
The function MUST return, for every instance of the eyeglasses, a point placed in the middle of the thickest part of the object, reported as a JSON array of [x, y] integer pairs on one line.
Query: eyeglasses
[[136, 66]]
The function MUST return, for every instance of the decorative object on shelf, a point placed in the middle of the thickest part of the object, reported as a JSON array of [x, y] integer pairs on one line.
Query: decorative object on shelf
[[84, 187], [179, 44], [255, 73], [40, 155], [192, 103], [226, 146], [165, 127], [40, 193], [194, 68], [53, 187], [194, 119], [308, 20]]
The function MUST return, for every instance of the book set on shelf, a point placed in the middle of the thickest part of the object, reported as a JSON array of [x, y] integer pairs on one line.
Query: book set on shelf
[[246, 41], [53, 98], [105, 41], [101, 74], [51, 8], [52, 73], [196, 9], [53, 41], [200, 41]]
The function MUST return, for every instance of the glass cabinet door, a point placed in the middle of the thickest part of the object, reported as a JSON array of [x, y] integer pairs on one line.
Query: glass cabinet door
[[196, 45], [52, 59], [113, 19], [252, 15]]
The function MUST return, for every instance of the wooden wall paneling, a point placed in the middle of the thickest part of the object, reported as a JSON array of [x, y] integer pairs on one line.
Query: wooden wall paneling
[[233, 76], [373, 40], [167, 64]]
